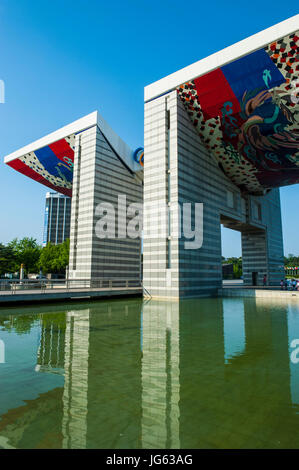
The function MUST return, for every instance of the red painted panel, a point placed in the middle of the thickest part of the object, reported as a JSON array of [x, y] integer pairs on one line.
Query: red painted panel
[[213, 91], [63, 151]]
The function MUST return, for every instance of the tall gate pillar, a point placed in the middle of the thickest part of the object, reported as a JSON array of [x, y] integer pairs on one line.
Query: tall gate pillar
[[179, 171]]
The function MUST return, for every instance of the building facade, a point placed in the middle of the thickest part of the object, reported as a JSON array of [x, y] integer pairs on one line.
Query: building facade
[[100, 177], [187, 173], [90, 167], [220, 136], [57, 220]]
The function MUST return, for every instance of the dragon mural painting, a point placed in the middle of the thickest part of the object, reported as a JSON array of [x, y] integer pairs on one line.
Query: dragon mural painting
[[247, 115]]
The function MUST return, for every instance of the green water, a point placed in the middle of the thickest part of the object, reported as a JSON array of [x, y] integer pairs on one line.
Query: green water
[[210, 373]]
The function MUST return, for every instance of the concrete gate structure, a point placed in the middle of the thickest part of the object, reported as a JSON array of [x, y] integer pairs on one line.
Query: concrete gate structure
[[222, 132], [221, 136], [89, 162]]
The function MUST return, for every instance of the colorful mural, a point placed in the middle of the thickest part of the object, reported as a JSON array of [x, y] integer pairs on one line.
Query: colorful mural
[[247, 115], [51, 165]]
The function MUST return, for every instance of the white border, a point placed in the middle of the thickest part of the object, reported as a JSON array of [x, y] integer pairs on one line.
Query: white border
[[220, 58]]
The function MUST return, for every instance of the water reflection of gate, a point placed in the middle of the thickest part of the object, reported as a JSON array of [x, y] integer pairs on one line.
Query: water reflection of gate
[[287, 318], [204, 372], [50, 355], [293, 333], [160, 375], [75, 399], [64, 349], [199, 368]]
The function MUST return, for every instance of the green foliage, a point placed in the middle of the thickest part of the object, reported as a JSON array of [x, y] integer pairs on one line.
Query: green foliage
[[19, 323], [8, 263], [291, 260], [51, 259], [237, 271], [27, 252], [54, 258], [237, 266]]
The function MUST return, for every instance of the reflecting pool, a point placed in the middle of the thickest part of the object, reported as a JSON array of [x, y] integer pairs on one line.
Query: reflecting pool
[[208, 373]]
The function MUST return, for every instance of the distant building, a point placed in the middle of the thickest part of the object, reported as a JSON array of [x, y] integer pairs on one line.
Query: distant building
[[57, 218]]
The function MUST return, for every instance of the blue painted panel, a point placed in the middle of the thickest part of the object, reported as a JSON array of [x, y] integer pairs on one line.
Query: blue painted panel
[[252, 72]]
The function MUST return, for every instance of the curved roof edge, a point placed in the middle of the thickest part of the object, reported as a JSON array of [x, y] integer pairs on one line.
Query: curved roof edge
[[220, 58]]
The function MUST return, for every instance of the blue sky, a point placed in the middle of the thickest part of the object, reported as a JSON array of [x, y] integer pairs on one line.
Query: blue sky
[[62, 59]]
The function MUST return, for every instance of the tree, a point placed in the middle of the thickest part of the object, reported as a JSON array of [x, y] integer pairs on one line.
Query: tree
[[55, 258], [237, 266], [46, 257], [26, 252], [64, 254], [291, 260], [237, 271], [8, 262], [51, 258]]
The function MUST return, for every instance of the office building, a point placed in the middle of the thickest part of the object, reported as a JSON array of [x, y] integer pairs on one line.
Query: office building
[[57, 221]]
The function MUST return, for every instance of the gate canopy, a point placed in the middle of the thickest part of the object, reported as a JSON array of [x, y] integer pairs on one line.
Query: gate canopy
[[50, 160], [246, 111]]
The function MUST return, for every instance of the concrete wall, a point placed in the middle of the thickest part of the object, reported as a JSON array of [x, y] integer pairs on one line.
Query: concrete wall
[[178, 169], [100, 176], [262, 250]]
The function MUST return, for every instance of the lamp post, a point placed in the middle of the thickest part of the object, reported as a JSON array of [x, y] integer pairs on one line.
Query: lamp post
[[22, 271]]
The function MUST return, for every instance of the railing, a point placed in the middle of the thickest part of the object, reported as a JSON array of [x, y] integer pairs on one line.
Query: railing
[[13, 286]]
